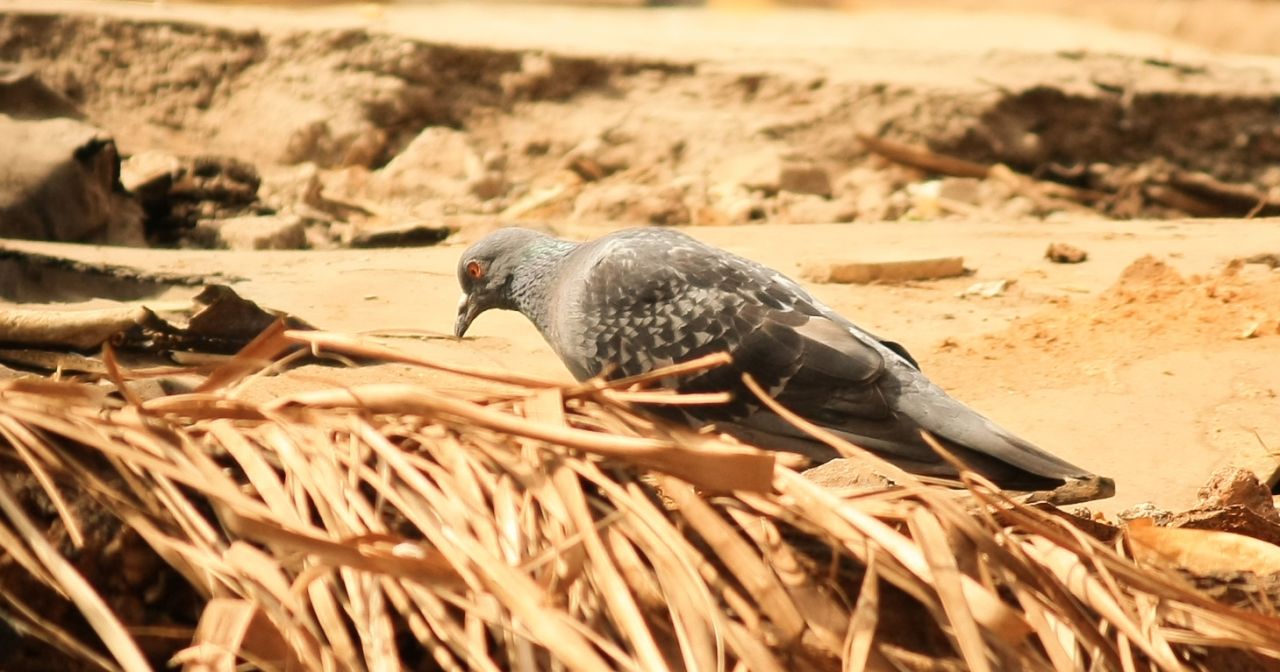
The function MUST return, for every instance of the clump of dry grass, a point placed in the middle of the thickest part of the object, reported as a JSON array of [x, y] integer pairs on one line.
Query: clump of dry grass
[[391, 526]]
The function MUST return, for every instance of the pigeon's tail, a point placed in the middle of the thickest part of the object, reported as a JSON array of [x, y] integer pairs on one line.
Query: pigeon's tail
[[983, 445]]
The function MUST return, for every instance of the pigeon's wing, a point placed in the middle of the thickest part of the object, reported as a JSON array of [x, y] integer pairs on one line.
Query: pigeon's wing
[[648, 302], [656, 297]]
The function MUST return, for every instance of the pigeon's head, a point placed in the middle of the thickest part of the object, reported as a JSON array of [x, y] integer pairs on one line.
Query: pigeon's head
[[486, 272]]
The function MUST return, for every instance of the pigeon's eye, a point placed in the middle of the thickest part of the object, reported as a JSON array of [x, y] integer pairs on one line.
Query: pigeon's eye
[[475, 270]]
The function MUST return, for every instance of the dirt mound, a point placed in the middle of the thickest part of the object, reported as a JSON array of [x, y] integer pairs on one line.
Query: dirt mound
[[1152, 297], [1150, 309]]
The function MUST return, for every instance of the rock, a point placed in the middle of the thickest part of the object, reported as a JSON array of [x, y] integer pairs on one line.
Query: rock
[[320, 236], [60, 181], [271, 232], [666, 207], [859, 272], [595, 158], [869, 190], [487, 185], [632, 203], [986, 290], [433, 164], [728, 204], [897, 206], [295, 188], [768, 171], [145, 169], [757, 171], [804, 178], [1062, 253], [967, 190], [537, 146], [332, 134], [1233, 486], [410, 235], [363, 147], [847, 473], [1144, 510], [23, 95], [198, 189], [925, 200], [611, 203], [810, 209], [1269, 259], [1234, 519], [536, 73], [1018, 207]]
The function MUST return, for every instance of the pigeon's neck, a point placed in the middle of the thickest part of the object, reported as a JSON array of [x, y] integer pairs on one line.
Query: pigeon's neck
[[535, 279]]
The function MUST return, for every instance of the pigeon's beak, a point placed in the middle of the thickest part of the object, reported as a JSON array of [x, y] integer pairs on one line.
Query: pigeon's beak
[[468, 308]]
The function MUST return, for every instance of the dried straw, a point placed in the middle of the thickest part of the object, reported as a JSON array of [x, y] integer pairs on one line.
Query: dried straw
[[378, 527]]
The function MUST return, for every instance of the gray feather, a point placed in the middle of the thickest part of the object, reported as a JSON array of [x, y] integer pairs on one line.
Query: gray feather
[[638, 299]]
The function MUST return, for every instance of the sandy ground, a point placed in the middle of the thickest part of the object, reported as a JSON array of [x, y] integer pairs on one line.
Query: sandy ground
[[766, 36], [1155, 396], [1144, 376]]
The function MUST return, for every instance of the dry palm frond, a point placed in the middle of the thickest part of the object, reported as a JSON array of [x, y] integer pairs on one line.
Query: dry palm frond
[[390, 526]]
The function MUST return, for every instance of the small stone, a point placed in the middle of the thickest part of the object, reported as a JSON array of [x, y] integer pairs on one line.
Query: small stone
[[270, 232], [810, 209], [537, 147], [987, 290], [966, 190], [1144, 510], [925, 201], [804, 178], [847, 473], [594, 159], [1233, 486], [144, 168], [1062, 253], [768, 172], [488, 185]]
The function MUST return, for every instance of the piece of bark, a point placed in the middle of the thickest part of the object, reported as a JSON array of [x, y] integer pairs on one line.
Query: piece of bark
[[862, 272], [413, 235], [1179, 200], [78, 329], [1227, 199], [923, 158]]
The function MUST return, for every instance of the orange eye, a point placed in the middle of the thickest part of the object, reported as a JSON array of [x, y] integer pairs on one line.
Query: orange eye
[[475, 270]]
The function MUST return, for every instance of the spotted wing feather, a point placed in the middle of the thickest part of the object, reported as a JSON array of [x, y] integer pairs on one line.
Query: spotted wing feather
[[647, 304]]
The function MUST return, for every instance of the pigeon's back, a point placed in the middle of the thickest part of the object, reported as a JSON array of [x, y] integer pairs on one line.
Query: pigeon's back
[[640, 299]]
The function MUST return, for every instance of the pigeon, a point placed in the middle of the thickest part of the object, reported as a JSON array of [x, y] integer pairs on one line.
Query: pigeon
[[639, 299]]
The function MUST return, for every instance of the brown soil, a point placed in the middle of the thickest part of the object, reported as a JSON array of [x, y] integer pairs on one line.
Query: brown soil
[[1151, 307]]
